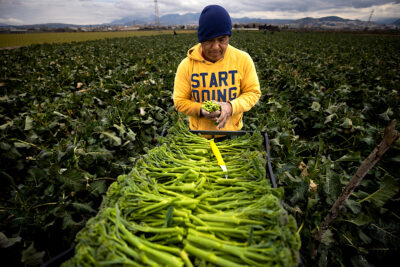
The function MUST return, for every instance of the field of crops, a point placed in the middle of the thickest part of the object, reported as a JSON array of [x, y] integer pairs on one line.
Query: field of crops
[[16, 39], [75, 116]]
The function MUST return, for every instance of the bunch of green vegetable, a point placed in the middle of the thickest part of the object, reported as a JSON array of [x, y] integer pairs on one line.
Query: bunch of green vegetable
[[176, 208], [211, 106]]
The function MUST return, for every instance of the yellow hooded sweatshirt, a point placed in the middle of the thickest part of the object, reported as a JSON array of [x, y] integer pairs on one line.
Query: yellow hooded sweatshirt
[[232, 79]]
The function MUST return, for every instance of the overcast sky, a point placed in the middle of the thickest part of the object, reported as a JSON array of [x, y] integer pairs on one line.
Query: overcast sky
[[18, 12]]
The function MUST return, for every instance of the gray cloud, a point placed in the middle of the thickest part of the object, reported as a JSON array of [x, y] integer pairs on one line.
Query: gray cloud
[[303, 5], [103, 11]]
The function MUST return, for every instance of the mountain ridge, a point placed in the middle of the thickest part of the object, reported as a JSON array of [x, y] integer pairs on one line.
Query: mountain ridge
[[192, 19]]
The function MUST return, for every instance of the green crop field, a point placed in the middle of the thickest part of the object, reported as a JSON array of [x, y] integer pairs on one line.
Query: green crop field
[[76, 116], [14, 39]]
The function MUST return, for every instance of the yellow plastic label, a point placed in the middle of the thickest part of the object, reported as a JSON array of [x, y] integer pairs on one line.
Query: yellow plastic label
[[216, 152]]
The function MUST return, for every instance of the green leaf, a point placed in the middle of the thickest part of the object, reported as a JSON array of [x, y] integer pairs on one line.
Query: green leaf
[[81, 207], [275, 141], [115, 140], [275, 103], [121, 129], [360, 261], [353, 205], [347, 123], [97, 188], [368, 140], [362, 219], [159, 116], [388, 189], [49, 190], [8, 124], [311, 203], [68, 221], [395, 159], [31, 257], [327, 238], [28, 123], [5, 146], [131, 136], [331, 186], [315, 106], [385, 233], [333, 108], [300, 193], [73, 180], [352, 156], [386, 115], [329, 118], [60, 114], [366, 239], [21, 145], [290, 176], [6, 242], [148, 121]]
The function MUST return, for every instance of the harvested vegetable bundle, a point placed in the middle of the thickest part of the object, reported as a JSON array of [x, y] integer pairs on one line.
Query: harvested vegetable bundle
[[176, 208], [211, 106]]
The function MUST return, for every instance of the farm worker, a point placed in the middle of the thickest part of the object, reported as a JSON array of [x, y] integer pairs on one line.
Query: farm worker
[[215, 71]]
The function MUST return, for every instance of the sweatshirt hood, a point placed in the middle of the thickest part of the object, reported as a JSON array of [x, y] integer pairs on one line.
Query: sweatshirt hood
[[195, 53]]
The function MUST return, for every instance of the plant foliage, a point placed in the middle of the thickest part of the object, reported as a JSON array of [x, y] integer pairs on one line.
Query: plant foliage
[[75, 116]]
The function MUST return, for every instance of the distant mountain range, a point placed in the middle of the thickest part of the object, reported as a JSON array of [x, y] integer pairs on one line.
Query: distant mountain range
[[193, 18], [190, 18], [309, 20], [397, 22]]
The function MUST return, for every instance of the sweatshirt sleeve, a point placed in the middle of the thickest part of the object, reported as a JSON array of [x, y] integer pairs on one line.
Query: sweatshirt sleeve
[[250, 88], [182, 95]]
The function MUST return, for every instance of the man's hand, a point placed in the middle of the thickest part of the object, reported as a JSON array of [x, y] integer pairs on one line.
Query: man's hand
[[226, 112], [210, 115], [220, 117]]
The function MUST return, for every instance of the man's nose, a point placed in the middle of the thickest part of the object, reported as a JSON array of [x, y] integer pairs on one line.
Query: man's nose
[[215, 45]]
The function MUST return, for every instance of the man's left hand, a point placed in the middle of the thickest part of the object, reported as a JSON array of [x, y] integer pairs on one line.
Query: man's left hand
[[226, 112]]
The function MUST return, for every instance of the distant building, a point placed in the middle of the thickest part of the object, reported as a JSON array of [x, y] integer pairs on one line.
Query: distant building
[[129, 28], [13, 30]]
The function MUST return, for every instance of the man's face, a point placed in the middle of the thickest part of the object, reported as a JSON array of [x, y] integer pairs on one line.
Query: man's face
[[214, 49]]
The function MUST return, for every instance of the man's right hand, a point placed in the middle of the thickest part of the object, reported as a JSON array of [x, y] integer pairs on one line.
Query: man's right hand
[[210, 115]]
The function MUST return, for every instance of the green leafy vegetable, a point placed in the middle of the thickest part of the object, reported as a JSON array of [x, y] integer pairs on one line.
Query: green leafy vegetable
[[211, 106]]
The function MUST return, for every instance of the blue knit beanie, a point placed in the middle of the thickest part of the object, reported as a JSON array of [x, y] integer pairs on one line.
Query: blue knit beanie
[[214, 21]]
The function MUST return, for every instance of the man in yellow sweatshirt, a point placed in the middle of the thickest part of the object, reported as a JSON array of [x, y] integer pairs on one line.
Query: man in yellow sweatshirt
[[214, 70]]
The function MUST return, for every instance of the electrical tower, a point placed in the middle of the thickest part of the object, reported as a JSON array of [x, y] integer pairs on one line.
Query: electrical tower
[[369, 20], [157, 17]]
